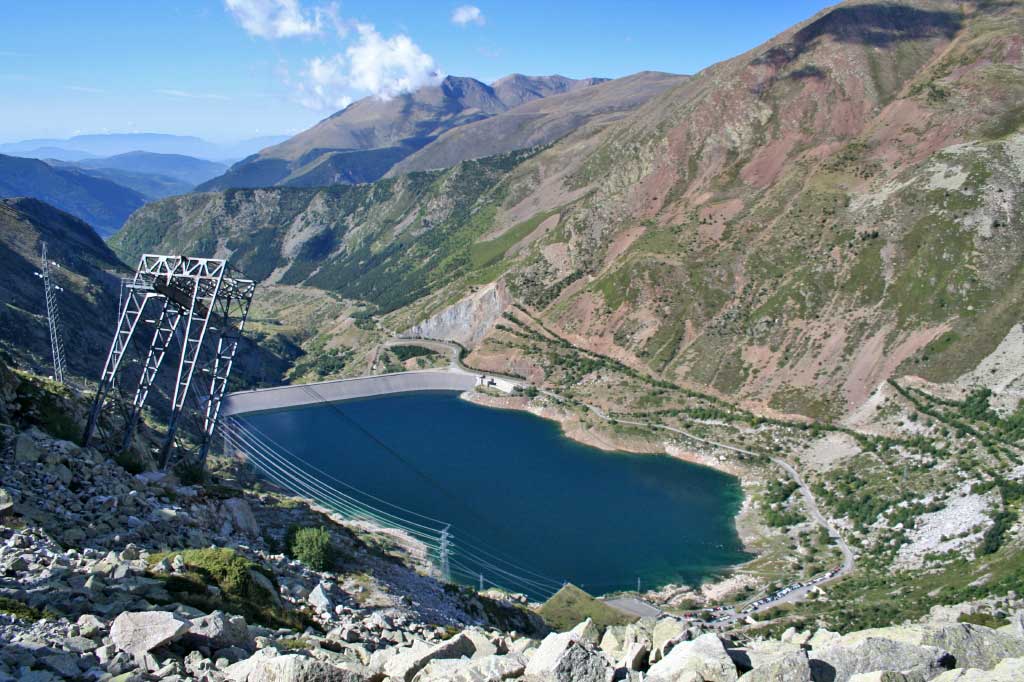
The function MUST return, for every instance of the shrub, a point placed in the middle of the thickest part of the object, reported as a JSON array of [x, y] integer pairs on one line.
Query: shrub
[[312, 546]]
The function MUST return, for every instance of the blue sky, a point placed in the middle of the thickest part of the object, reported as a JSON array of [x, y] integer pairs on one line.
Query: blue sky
[[231, 69]]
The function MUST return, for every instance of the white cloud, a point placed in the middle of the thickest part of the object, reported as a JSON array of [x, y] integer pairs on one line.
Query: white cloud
[[86, 89], [278, 18], [468, 14], [185, 94], [324, 84], [388, 67]]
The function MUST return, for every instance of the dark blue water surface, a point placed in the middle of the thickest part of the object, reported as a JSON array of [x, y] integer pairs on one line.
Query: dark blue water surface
[[511, 485]]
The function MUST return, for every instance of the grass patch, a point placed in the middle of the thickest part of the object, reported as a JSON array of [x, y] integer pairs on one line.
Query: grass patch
[[13, 607], [984, 619], [232, 574], [570, 606], [483, 254]]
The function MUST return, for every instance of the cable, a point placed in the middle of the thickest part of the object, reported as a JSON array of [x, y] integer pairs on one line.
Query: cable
[[253, 428], [298, 466], [317, 490]]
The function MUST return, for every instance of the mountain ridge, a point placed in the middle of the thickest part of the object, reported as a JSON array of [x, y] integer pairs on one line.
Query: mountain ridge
[[674, 224], [98, 201], [366, 140]]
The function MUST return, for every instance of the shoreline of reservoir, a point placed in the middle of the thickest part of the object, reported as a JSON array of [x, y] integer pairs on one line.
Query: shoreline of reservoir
[[464, 382]]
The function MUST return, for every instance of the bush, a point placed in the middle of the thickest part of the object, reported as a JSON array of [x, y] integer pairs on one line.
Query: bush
[[312, 546]]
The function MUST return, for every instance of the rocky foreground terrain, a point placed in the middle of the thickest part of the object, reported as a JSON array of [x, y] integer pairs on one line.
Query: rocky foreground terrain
[[114, 575]]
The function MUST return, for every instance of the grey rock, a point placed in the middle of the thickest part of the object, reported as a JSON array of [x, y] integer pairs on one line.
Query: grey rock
[[636, 656], [90, 626], [26, 448], [299, 668], [319, 600], [140, 632], [482, 645], [219, 630], [705, 657], [839, 662], [562, 657], [491, 668], [6, 501], [1007, 670], [973, 646], [666, 631], [242, 517], [791, 666], [405, 665], [587, 632], [239, 672], [65, 665]]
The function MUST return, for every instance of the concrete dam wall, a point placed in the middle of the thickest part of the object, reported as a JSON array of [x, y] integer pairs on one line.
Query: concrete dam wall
[[262, 399]]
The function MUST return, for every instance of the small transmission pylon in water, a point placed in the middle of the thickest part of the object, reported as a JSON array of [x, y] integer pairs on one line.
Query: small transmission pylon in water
[[60, 364], [200, 303]]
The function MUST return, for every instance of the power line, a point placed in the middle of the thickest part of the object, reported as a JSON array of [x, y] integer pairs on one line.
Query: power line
[[53, 317]]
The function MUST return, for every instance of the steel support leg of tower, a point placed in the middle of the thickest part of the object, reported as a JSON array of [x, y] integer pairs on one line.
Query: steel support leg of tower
[[163, 334], [139, 294], [207, 278], [236, 301]]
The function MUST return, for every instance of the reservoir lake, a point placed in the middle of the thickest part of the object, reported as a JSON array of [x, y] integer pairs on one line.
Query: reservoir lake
[[528, 508]]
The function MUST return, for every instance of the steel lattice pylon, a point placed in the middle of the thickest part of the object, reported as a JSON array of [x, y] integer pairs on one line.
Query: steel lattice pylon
[[60, 364], [200, 304]]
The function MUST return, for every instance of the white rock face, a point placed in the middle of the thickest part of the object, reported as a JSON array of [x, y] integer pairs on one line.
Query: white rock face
[[465, 322], [140, 632]]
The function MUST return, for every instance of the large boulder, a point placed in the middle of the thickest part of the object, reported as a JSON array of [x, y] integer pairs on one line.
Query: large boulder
[[666, 632], [26, 446], [704, 658], [1007, 670], [241, 516], [138, 633], [613, 643], [886, 676], [972, 646], [219, 630], [405, 665], [792, 666], [587, 632], [838, 662], [562, 657], [485, 669], [764, 661], [299, 668]]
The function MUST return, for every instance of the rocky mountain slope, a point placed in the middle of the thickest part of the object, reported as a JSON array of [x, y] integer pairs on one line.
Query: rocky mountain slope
[[368, 138], [538, 122], [88, 274], [790, 227], [98, 201]]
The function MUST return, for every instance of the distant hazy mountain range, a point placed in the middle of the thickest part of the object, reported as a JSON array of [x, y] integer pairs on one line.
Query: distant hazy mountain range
[[104, 191], [153, 175], [85, 146], [373, 137], [102, 203]]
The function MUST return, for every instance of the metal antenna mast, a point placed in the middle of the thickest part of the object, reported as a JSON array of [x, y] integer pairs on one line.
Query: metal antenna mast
[[60, 364], [197, 301]]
